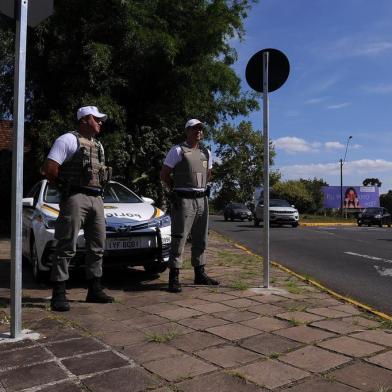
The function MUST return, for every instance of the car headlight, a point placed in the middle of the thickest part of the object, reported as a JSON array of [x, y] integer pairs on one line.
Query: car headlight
[[164, 221], [48, 221], [377, 216]]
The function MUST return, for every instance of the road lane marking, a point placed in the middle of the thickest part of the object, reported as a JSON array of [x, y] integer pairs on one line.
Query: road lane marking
[[374, 258]]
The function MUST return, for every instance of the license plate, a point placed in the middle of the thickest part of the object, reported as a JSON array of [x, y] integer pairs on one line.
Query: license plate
[[130, 243]]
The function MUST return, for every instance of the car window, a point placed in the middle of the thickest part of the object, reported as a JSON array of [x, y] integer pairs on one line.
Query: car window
[[51, 195], [116, 193], [238, 205], [279, 203]]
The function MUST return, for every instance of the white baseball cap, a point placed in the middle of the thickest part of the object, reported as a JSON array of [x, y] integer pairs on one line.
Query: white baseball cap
[[192, 123], [87, 110]]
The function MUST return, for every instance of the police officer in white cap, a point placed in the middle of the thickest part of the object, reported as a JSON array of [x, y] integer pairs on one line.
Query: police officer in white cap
[[186, 171], [76, 166]]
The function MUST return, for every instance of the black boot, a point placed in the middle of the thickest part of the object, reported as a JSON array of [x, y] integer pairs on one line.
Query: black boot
[[174, 282], [96, 294], [59, 302], [202, 278]]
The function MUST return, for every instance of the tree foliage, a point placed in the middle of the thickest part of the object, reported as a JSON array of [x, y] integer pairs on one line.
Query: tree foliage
[[386, 200], [371, 182], [295, 192], [150, 65], [314, 186], [238, 169]]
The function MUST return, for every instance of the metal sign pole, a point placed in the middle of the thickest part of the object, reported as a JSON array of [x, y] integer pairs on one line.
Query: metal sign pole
[[266, 170], [17, 167]]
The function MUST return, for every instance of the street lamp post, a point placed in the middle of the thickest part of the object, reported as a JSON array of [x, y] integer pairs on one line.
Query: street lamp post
[[342, 161]]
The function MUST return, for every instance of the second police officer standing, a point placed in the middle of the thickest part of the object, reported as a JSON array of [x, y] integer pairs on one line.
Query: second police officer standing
[[186, 171], [76, 166]]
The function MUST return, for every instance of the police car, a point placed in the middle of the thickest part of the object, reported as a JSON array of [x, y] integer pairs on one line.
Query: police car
[[137, 233]]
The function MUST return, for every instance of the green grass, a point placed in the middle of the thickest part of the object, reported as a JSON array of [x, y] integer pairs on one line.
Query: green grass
[[230, 258], [162, 338], [383, 388], [239, 285], [386, 324], [293, 288], [274, 355], [309, 218]]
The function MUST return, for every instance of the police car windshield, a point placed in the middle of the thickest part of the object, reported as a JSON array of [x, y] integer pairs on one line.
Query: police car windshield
[[114, 193]]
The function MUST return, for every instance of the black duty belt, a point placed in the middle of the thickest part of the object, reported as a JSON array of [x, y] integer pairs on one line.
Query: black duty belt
[[190, 194], [85, 191]]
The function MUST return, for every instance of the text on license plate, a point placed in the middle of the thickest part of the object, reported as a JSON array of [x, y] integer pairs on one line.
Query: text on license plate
[[130, 243]]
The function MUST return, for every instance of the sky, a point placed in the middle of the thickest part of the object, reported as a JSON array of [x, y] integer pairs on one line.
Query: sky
[[340, 85]]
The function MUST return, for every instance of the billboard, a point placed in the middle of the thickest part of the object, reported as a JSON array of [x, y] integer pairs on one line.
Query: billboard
[[353, 196]]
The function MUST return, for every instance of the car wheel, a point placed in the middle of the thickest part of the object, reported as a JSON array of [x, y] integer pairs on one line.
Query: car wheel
[[380, 224], [231, 218], [256, 222], [250, 219], [155, 268], [369, 225], [226, 218], [39, 276], [294, 224], [359, 224]]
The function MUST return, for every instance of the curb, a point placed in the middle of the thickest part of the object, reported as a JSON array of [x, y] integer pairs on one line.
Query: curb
[[314, 283], [311, 224]]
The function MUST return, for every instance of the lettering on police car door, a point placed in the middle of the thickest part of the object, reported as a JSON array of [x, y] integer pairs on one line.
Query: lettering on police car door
[[122, 214]]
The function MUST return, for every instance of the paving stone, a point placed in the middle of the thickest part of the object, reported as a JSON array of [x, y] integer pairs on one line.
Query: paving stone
[[375, 336], [336, 326], [319, 385], [13, 345], [228, 356], [190, 302], [178, 368], [267, 299], [271, 374], [202, 322], [314, 359], [179, 314], [363, 376], [66, 386], [304, 334], [266, 309], [328, 301], [268, 344], [213, 307], [328, 312], [150, 351], [167, 328], [93, 363], [221, 382], [240, 303], [236, 315], [350, 346], [196, 341], [218, 297], [144, 321], [121, 339], [121, 380], [23, 356], [31, 376], [384, 360], [158, 308], [362, 322], [233, 331], [266, 324], [294, 306], [75, 347], [301, 317], [242, 293], [347, 308]]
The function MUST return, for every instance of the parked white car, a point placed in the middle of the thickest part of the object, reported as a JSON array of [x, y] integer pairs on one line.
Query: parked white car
[[137, 233], [280, 212]]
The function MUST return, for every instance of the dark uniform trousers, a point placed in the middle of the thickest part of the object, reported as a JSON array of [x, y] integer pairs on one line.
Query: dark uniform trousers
[[79, 211]]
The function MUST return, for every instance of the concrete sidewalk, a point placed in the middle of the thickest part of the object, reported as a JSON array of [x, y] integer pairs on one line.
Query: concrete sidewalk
[[205, 339]]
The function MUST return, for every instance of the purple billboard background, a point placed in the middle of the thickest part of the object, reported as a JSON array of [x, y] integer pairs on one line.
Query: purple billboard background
[[353, 196]]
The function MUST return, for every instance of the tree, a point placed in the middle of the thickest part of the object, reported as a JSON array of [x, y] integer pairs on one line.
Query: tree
[[294, 192], [372, 182], [386, 200], [314, 188], [239, 165], [150, 65]]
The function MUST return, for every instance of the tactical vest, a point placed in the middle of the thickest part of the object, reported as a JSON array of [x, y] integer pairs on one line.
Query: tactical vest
[[192, 170], [87, 166]]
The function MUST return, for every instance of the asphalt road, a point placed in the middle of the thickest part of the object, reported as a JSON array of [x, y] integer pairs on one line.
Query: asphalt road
[[353, 261]]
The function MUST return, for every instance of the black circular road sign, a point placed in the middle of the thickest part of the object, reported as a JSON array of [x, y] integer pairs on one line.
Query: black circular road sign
[[278, 70]]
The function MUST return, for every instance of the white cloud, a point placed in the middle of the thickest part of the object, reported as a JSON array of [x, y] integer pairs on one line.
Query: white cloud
[[334, 145], [292, 144], [379, 89], [314, 100], [368, 167], [339, 105]]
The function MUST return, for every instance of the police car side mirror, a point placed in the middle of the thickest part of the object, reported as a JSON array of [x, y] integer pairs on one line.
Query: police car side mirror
[[148, 200], [28, 202]]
